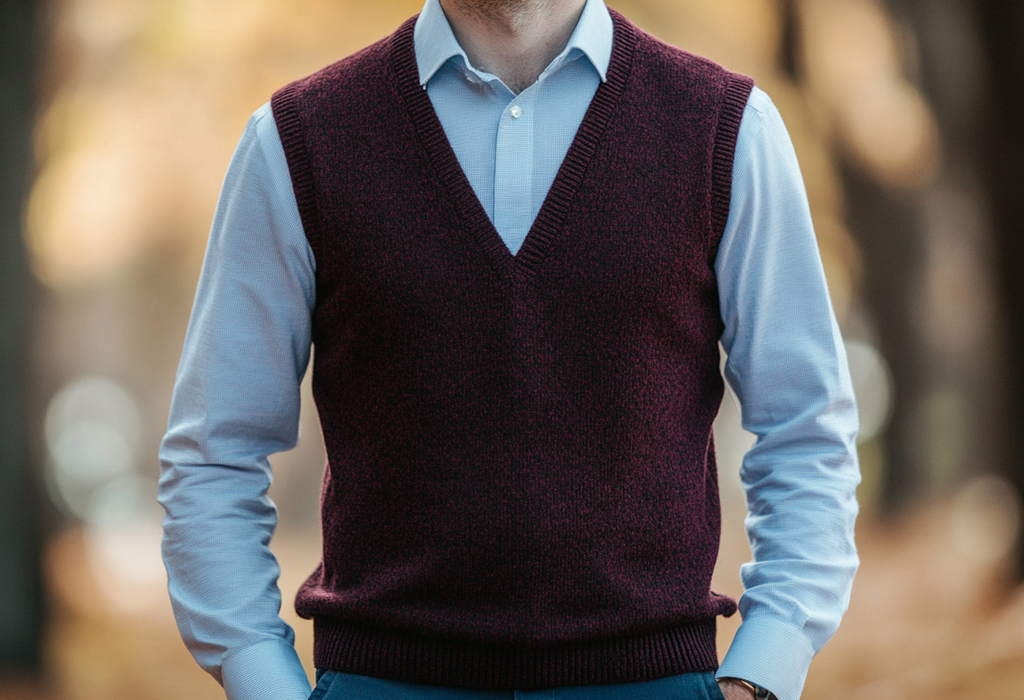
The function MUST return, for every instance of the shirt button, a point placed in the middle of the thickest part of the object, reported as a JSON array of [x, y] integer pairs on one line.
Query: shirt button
[[515, 111]]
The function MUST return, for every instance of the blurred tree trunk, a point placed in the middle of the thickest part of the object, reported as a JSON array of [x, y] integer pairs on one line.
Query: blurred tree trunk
[[1002, 26], [952, 393], [901, 238], [940, 47], [887, 227], [889, 233], [20, 505]]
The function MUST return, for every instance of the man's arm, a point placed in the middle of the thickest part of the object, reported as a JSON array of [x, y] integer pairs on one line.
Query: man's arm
[[236, 401], [787, 365]]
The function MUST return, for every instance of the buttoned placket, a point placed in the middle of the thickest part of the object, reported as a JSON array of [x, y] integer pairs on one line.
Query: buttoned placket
[[513, 169], [513, 198]]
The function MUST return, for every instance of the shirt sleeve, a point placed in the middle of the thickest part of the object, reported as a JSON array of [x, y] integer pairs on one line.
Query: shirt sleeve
[[787, 366], [236, 401]]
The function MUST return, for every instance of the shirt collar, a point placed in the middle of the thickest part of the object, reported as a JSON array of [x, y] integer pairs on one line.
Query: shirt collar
[[435, 42]]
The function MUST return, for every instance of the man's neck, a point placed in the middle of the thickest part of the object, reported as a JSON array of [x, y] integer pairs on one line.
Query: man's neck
[[513, 39]]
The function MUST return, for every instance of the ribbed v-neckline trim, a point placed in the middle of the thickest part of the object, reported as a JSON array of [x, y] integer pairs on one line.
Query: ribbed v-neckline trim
[[551, 217]]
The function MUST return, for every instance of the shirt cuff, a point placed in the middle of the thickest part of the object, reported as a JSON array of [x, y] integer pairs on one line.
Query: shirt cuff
[[771, 654], [270, 670]]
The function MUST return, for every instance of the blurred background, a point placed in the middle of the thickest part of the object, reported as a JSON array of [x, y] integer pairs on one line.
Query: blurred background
[[117, 121]]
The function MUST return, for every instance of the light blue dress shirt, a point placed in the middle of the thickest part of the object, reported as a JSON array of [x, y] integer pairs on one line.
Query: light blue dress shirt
[[236, 398]]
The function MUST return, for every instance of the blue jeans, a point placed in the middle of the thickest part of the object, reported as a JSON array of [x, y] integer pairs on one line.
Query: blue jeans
[[334, 685]]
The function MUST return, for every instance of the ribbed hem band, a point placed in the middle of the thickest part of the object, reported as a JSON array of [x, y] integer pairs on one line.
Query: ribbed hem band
[[349, 648]]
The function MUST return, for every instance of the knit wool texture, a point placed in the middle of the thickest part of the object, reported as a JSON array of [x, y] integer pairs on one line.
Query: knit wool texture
[[521, 488]]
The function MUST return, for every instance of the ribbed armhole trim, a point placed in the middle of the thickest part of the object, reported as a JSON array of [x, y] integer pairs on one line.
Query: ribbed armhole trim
[[285, 107], [737, 92]]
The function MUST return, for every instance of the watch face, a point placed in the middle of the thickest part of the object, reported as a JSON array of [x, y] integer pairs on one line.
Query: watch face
[[759, 692]]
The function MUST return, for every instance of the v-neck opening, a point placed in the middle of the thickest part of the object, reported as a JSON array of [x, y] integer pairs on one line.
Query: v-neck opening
[[552, 214]]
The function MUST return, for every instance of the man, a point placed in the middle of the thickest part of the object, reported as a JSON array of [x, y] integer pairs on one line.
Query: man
[[516, 232]]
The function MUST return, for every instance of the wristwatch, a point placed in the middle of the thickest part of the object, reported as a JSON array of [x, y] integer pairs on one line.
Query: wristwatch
[[759, 692]]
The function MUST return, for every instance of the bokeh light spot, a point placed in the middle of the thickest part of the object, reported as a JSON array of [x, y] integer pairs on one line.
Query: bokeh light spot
[[91, 430], [872, 384]]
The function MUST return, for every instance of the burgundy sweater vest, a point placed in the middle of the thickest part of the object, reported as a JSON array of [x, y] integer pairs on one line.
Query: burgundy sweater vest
[[521, 488]]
